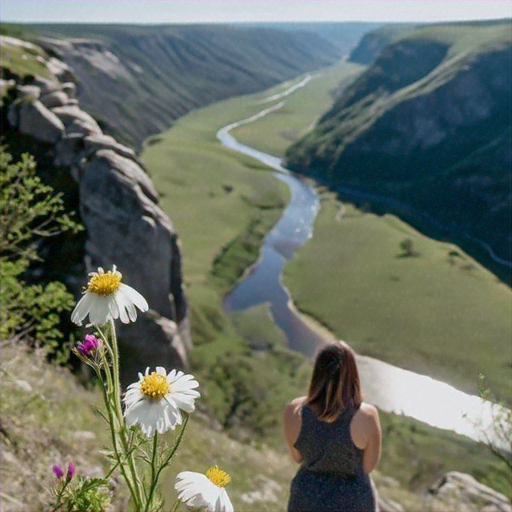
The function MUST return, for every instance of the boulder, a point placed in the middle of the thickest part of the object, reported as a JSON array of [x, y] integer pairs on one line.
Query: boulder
[[46, 85], [95, 142], [69, 89], [83, 127], [76, 120], [464, 493], [29, 92], [39, 122], [58, 68], [54, 99]]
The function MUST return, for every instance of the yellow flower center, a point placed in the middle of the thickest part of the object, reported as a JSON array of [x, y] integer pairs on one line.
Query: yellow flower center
[[218, 476], [154, 386], [104, 284]]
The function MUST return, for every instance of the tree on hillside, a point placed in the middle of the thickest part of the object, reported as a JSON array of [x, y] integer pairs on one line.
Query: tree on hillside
[[407, 248]]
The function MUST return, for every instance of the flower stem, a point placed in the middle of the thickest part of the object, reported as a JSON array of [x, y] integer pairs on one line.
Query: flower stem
[[107, 397], [119, 413], [154, 479], [172, 453]]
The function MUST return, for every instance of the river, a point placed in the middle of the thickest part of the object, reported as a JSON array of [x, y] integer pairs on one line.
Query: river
[[389, 387]]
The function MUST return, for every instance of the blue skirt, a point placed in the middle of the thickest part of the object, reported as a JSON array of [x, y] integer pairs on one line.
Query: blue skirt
[[328, 492]]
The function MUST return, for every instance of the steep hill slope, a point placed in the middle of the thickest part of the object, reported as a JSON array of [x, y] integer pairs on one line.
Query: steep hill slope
[[427, 127], [136, 80]]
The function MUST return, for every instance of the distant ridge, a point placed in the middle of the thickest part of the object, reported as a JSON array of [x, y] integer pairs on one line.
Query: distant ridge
[[137, 79]]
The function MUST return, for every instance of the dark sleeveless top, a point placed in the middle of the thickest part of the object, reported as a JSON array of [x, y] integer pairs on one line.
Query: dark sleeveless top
[[331, 476]]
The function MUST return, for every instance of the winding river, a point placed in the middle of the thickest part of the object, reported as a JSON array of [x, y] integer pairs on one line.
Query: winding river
[[390, 388]]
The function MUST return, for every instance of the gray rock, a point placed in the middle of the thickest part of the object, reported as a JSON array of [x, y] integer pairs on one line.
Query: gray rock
[[126, 227], [83, 127], [97, 142], [68, 150], [58, 68], [54, 99], [39, 122], [70, 89], [124, 224], [30, 92], [462, 492], [387, 505], [76, 120], [46, 85]]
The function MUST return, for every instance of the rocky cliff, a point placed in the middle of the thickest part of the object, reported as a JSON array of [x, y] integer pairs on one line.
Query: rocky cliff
[[427, 130], [117, 204]]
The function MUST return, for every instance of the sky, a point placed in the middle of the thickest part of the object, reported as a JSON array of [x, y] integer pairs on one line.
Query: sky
[[216, 11]]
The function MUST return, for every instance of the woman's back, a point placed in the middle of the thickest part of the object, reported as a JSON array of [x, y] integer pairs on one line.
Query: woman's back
[[335, 436], [327, 447], [331, 477]]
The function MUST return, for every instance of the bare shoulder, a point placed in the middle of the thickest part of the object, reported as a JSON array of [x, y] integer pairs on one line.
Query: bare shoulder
[[294, 406], [369, 411], [365, 416], [365, 427]]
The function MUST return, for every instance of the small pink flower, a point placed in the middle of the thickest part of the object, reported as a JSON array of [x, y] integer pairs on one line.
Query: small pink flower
[[71, 471], [58, 471], [89, 345]]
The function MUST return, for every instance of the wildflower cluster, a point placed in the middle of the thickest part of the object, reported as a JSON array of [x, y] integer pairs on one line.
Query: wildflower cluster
[[159, 402]]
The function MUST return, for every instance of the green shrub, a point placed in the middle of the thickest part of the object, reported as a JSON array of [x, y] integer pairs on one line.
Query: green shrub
[[30, 212]]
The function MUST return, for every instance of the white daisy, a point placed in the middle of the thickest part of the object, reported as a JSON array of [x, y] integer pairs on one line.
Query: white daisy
[[154, 402], [204, 491], [106, 297]]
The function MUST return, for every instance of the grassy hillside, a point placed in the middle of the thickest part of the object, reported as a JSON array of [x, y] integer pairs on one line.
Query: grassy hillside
[[427, 129], [373, 42], [48, 418]]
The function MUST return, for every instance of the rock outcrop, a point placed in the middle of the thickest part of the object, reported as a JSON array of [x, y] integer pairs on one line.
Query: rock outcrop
[[118, 206], [463, 493]]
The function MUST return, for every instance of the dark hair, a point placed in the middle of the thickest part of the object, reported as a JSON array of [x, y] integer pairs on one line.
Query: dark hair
[[335, 381]]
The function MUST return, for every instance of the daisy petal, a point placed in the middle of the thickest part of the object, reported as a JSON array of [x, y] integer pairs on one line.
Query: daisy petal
[[81, 309], [134, 297]]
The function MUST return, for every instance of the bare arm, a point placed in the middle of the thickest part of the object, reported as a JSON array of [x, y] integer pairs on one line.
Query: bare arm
[[292, 422], [367, 435]]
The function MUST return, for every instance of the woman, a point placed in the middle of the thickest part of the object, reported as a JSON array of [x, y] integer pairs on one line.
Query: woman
[[335, 436]]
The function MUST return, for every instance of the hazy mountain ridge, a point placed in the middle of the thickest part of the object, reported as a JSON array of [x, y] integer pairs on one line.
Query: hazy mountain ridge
[[136, 80], [428, 126]]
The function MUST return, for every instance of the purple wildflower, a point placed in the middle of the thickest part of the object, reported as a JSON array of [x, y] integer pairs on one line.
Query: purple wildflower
[[58, 471], [89, 345], [71, 471]]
